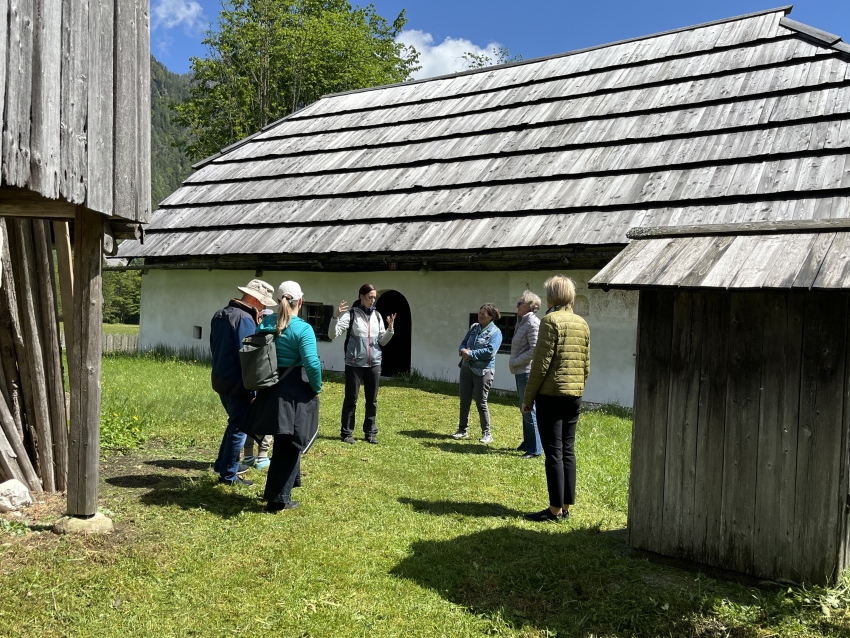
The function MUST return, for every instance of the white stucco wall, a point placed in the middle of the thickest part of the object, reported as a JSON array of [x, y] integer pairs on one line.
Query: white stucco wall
[[173, 302]]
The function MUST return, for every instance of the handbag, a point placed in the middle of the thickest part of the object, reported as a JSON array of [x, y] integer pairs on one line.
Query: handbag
[[258, 358]]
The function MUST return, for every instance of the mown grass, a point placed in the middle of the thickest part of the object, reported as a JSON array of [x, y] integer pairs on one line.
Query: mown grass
[[113, 328], [419, 536]]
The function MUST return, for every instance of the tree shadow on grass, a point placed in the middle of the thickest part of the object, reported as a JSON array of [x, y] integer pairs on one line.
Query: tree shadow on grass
[[468, 447], [205, 493], [424, 434], [464, 508], [180, 464], [144, 481], [576, 583]]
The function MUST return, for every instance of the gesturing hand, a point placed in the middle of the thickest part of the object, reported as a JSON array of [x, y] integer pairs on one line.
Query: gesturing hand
[[391, 321], [343, 307]]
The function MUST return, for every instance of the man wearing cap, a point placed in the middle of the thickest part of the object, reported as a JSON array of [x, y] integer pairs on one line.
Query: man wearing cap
[[229, 326]]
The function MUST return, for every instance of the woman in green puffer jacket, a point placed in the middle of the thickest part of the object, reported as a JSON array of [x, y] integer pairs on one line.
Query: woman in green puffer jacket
[[559, 370]]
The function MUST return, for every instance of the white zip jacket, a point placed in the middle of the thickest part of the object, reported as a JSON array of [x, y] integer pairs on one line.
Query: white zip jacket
[[368, 334]]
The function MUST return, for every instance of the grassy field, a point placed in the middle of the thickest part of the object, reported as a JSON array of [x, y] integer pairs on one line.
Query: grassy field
[[419, 536], [113, 328]]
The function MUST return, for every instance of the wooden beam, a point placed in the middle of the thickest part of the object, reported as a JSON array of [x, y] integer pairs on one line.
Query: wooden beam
[[25, 466], [33, 374], [746, 228], [62, 239], [21, 202], [54, 375], [10, 335], [84, 439]]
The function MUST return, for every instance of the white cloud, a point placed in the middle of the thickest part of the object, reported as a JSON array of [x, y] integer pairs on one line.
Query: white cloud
[[168, 14], [445, 57]]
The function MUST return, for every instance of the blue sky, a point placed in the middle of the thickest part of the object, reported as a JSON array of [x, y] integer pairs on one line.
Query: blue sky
[[442, 30]]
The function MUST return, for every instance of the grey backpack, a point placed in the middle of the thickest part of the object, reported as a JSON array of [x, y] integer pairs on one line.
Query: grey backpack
[[258, 358]]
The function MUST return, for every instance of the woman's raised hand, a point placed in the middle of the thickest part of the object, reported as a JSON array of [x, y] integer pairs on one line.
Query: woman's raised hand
[[343, 308], [391, 321]]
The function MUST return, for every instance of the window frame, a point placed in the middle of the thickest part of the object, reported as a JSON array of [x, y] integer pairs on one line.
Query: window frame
[[322, 315]]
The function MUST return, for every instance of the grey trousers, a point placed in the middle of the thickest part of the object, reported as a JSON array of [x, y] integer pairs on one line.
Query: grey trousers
[[263, 448], [475, 387]]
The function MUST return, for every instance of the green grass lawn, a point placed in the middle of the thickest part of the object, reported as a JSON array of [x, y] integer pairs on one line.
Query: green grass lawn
[[418, 536], [113, 328]]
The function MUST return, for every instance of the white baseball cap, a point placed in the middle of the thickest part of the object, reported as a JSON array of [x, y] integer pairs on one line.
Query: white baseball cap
[[259, 290], [289, 289]]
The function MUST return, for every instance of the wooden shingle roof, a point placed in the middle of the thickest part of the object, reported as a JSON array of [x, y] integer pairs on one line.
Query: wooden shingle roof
[[739, 120]]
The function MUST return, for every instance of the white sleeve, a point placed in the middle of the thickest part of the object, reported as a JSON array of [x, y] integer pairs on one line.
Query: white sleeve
[[339, 326]]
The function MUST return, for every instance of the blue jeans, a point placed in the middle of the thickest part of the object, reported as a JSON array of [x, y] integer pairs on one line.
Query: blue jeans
[[227, 463], [530, 435]]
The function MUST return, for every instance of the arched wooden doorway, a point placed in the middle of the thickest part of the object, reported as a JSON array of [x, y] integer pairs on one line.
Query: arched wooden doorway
[[397, 352]]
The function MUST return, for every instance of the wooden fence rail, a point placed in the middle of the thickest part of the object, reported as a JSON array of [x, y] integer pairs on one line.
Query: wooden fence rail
[[114, 342]]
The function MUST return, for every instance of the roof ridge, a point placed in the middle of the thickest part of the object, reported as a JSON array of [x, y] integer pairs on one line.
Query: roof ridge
[[786, 9]]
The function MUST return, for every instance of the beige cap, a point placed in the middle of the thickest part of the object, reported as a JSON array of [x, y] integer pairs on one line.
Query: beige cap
[[290, 289], [259, 290]]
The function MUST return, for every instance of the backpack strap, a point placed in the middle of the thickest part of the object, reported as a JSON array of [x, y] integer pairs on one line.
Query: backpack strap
[[348, 332]]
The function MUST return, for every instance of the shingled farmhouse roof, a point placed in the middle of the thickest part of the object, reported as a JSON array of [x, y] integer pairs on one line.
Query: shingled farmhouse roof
[[741, 120]]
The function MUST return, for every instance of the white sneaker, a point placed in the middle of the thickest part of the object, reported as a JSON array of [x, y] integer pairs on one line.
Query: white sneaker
[[486, 439], [461, 434]]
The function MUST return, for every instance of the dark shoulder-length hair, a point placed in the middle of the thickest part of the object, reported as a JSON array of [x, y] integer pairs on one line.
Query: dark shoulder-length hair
[[491, 310]]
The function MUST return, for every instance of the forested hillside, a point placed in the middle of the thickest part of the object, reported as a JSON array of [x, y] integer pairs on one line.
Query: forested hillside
[[169, 165]]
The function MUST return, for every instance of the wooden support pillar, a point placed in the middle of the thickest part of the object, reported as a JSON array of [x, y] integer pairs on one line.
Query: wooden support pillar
[[84, 439]]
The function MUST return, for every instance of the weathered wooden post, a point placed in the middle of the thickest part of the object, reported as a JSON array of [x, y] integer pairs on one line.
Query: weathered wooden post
[[84, 438]]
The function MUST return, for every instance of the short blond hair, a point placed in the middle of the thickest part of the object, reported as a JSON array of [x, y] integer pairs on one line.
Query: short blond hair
[[560, 291]]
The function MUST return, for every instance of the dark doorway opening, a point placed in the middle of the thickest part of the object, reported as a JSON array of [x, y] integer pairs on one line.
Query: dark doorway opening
[[396, 357]]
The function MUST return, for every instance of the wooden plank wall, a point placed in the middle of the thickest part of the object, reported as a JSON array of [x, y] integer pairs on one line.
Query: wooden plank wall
[[740, 442], [75, 100]]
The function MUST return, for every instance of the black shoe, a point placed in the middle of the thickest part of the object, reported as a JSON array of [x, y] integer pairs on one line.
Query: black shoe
[[529, 456], [348, 439], [279, 507], [371, 438], [243, 469], [237, 481], [520, 448], [543, 516], [564, 515]]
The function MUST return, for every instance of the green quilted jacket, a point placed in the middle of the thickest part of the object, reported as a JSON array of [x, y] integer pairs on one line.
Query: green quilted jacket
[[561, 359]]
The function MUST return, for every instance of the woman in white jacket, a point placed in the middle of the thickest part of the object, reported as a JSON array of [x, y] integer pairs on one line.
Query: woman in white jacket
[[365, 334], [522, 351]]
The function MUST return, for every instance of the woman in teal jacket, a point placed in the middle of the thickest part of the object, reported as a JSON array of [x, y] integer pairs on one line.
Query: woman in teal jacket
[[289, 410]]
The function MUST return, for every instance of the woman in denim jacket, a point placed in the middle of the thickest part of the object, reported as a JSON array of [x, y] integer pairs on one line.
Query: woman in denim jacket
[[478, 366]]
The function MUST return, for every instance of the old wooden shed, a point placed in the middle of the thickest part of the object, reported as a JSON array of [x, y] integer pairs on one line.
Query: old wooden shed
[[75, 148], [740, 445]]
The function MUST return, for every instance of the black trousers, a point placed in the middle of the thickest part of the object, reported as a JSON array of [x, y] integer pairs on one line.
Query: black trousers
[[557, 417], [284, 470], [370, 378]]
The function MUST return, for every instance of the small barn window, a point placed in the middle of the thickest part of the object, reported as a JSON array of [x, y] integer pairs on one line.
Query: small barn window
[[507, 324], [319, 316], [196, 332]]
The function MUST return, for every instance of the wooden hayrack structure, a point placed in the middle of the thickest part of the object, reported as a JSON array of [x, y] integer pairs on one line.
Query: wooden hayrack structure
[[75, 147]]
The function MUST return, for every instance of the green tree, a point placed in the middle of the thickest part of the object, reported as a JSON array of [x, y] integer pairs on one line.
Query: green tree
[[122, 294], [169, 163], [496, 55], [268, 58]]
